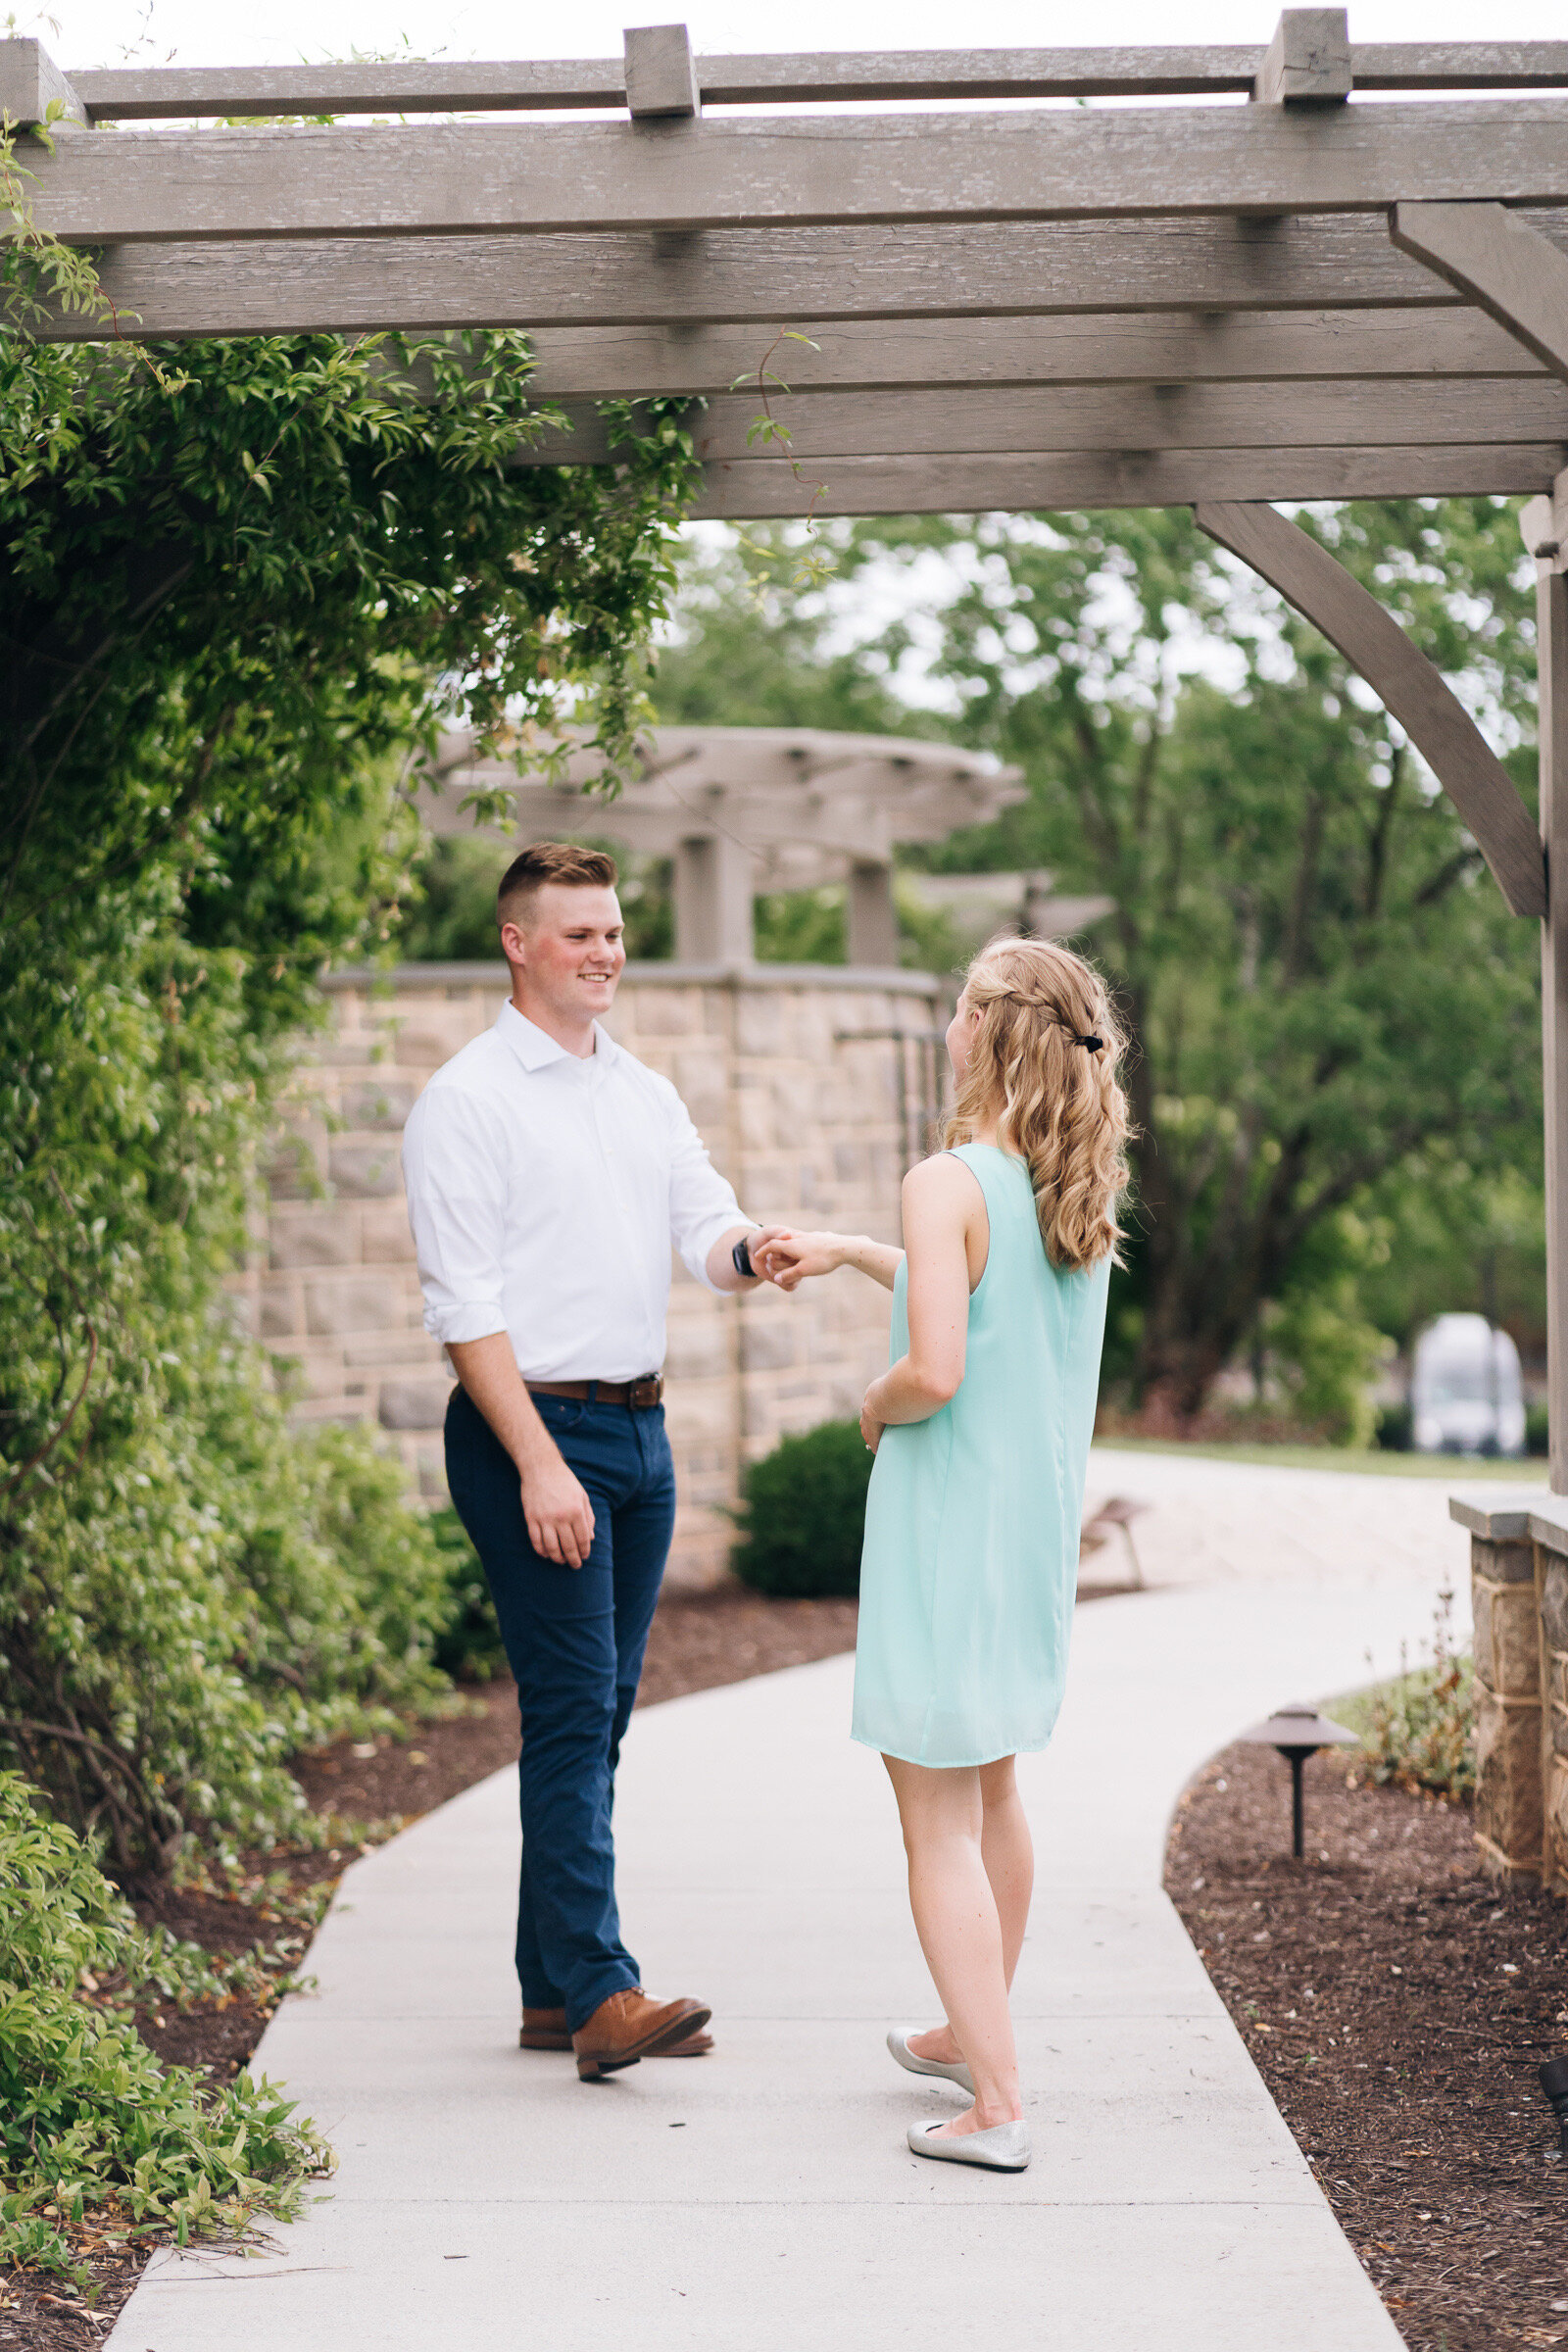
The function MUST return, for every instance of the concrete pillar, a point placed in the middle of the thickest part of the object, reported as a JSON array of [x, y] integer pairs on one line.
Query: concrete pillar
[[716, 880], [870, 918]]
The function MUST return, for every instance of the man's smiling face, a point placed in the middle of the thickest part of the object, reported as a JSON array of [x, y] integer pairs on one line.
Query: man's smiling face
[[572, 949]]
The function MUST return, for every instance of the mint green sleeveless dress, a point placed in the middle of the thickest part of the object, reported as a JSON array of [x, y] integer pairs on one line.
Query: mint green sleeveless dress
[[970, 1565]]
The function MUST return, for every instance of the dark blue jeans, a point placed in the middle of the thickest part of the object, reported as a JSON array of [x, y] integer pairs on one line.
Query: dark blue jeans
[[574, 1638]]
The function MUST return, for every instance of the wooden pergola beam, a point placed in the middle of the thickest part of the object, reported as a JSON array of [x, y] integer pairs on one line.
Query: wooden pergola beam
[[1518, 276], [1101, 348], [778, 172], [1405, 682], [938, 423], [766, 279], [1035, 481], [166, 93]]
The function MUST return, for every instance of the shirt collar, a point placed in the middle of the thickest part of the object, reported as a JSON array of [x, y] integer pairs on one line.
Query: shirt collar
[[535, 1049]]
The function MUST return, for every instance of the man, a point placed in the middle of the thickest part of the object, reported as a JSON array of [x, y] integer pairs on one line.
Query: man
[[548, 1174]]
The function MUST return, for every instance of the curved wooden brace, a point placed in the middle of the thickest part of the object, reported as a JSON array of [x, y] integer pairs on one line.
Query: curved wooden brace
[[1516, 275], [1405, 681]]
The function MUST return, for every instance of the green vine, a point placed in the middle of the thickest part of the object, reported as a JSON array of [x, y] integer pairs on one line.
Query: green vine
[[815, 564]]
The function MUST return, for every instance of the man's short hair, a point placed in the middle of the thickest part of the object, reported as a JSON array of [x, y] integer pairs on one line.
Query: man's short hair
[[545, 861]]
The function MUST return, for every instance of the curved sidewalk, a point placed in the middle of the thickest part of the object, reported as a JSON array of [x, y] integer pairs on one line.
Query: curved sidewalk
[[762, 2200]]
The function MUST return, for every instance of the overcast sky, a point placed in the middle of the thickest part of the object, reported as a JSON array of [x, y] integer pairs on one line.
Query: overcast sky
[[99, 32]]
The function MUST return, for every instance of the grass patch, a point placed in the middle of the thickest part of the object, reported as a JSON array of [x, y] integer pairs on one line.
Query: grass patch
[[1460, 1470]]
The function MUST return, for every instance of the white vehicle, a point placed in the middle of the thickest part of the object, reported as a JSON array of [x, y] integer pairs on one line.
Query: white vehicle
[[1465, 1395]]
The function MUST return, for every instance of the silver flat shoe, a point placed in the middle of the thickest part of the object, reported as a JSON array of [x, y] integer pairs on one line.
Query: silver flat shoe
[[1005, 2148], [899, 2045]]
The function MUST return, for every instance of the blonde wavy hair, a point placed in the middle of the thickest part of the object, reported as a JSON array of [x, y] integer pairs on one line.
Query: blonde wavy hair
[[1056, 1098]]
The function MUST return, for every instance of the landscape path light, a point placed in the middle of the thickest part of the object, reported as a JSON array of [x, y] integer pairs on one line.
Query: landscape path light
[[1298, 1733]]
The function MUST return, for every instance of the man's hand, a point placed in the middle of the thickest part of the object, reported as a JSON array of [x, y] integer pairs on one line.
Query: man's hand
[[558, 1515]]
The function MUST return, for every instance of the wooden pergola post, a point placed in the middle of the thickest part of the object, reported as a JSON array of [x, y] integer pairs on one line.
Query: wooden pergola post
[[1546, 530]]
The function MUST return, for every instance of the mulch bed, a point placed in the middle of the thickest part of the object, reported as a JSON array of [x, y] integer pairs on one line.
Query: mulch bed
[[1397, 2004], [698, 1641]]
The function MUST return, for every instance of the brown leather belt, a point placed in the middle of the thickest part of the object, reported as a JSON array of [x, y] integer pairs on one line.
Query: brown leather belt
[[641, 1395]]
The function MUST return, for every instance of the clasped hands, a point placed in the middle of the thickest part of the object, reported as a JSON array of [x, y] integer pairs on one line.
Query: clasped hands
[[786, 1260]]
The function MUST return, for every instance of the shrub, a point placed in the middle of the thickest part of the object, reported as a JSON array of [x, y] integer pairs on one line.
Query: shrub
[[469, 1644], [90, 2122], [804, 1514]]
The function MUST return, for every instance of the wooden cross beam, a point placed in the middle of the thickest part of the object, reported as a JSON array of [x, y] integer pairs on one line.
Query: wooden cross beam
[[778, 172], [164, 93], [927, 423], [769, 278], [1035, 481]]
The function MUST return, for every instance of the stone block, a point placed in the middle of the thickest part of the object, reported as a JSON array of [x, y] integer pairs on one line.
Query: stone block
[[668, 1012], [1553, 1588], [1555, 1858], [1503, 1563], [355, 1302], [389, 1349], [768, 1343], [762, 1024], [365, 1166], [697, 1348], [316, 1237], [414, 1404], [1507, 1639], [378, 1101], [278, 1315], [292, 1171], [384, 1236], [1509, 1809]]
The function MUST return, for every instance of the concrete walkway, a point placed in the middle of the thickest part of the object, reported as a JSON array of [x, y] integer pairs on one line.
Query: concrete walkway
[[762, 2200]]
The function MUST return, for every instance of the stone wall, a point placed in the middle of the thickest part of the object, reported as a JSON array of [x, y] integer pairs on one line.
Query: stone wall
[[810, 1085]]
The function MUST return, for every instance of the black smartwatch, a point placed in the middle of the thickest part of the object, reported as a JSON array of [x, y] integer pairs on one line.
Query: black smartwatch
[[742, 1256]]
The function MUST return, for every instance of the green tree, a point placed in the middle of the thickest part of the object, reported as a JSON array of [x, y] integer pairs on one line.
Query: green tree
[[1331, 1007]]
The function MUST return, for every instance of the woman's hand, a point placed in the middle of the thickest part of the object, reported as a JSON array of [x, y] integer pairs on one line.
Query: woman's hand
[[788, 1259], [871, 1426]]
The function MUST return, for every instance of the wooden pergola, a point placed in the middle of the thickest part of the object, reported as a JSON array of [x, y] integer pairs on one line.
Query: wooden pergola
[[742, 810], [1352, 285]]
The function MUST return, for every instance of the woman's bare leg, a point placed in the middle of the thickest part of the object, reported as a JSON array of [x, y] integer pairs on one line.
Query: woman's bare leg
[[1007, 1853], [960, 1931]]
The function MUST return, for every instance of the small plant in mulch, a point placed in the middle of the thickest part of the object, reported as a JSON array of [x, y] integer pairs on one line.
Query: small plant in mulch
[[1418, 1731], [103, 2147]]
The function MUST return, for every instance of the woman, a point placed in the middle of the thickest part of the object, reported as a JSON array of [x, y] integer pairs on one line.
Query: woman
[[981, 1429]]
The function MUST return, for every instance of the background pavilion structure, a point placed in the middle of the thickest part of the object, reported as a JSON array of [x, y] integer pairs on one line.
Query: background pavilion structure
[[1354, 285], [743, 809]]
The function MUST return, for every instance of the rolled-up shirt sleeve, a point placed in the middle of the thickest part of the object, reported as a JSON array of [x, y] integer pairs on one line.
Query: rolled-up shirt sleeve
[[454, 1172], [703, 1206]]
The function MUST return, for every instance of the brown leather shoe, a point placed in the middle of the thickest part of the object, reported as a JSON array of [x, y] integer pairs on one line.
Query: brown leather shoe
[[546, 2030], [629, 2025]]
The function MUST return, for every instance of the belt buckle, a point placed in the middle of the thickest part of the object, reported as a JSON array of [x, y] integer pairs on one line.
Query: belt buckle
[[643, 1394]]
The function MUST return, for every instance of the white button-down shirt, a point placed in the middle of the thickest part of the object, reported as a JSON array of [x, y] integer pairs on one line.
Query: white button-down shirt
[[544, 1192]]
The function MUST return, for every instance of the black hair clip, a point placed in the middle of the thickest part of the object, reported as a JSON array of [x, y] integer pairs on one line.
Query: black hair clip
[[1092, 1044]]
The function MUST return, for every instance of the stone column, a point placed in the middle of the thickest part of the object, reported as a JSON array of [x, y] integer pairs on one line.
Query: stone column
[[870, 918], [1509, 1807], [1548, 1526], [714, 882]]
